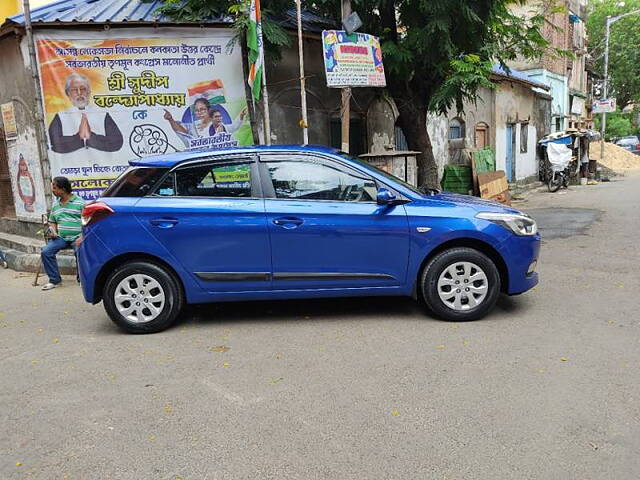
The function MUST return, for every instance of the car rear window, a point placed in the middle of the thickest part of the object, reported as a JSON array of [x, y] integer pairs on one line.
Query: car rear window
[[135, 182]]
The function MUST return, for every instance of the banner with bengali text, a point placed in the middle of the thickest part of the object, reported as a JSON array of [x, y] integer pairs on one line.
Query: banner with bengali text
[[110, 101]]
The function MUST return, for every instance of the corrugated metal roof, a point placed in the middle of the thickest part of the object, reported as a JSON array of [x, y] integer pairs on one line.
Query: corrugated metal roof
[[518, 75], [100, 11], [122, 11]]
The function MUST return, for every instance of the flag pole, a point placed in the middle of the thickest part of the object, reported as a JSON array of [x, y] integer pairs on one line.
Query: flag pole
[[265, 93]]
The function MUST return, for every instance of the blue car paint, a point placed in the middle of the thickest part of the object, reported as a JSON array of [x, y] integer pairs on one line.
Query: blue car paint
[[333, 238]]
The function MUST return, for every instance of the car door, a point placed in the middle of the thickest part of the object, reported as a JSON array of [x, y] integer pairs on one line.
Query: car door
[[210, 216], [325, 227]]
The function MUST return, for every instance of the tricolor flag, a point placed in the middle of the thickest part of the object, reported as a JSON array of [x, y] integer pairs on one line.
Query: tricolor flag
[[212, 90], [256, 53]]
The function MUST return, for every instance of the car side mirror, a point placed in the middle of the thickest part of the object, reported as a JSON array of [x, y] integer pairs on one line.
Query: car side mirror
[[385, 197]]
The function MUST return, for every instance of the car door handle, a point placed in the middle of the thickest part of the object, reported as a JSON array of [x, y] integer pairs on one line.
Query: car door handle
[[288, 222], [164, 222]]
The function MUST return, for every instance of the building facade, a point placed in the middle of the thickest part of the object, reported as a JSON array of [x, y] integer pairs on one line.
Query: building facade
[[566, 77], [509, 119]]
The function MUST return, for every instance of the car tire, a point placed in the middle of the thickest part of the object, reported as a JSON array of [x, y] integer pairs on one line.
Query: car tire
[[468, 300], [142, 297]]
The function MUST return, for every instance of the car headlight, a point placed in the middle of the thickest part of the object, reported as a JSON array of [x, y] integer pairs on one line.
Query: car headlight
[[520, 224]]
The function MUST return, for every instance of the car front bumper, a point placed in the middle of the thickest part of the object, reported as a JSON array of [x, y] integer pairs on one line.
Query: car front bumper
[[519, 255]]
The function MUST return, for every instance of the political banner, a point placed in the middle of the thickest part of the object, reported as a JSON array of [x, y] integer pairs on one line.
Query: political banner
[[352, 60], [109, 101]]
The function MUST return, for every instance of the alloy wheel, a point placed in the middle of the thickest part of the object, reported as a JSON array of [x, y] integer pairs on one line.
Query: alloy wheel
[[463, 286], [139, 298]]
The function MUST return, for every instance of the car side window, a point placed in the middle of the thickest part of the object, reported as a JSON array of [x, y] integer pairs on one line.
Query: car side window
[[209, 180], [316, 181]]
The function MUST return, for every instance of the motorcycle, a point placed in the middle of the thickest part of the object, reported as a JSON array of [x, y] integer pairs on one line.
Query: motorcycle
[[559, 156]]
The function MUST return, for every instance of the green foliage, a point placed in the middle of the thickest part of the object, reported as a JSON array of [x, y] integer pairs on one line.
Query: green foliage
[[624, 47], [194, 11], [439, 52], [618, 124]]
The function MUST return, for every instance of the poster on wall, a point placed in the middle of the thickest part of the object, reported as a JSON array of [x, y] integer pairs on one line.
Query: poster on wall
[[109, 101], [352, 60], [26, 178], [9, 121]]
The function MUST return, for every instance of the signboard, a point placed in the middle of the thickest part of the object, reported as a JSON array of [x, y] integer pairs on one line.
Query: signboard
[[606, 105], [9, 121], [109, 101], [352, 60], [577, 105]]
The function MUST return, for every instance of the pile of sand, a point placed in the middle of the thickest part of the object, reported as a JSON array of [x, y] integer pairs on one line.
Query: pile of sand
[[615, 157]]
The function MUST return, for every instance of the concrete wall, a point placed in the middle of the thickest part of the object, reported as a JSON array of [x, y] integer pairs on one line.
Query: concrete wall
[[516, 105], [438, 130], [19, 89], [381, 118], [559, 93], [446, 151]]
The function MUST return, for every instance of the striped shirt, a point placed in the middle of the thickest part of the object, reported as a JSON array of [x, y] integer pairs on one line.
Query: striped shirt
[[67, 218]]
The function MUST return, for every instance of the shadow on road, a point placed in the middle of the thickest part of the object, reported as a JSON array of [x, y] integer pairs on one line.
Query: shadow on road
[[302, 310]]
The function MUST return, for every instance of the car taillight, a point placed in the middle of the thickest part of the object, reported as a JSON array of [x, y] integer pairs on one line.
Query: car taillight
[[92, 212], [638, 146]]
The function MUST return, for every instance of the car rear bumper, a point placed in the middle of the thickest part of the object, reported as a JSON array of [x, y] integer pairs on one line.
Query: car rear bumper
[[92, 255]]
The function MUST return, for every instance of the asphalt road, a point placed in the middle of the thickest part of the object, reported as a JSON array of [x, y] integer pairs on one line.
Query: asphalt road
[[546, 387]]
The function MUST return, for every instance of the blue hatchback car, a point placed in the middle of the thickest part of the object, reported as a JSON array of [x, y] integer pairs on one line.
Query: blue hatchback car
[[288, 222]]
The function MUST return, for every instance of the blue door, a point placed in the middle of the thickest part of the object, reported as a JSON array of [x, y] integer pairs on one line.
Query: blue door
[[210, 216], [326, 229], [510, 152]]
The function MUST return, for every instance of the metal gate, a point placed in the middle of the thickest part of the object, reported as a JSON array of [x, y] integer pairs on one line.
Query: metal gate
[[7, 208]]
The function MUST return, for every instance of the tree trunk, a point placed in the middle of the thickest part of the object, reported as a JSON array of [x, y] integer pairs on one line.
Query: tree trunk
[[413, 121]]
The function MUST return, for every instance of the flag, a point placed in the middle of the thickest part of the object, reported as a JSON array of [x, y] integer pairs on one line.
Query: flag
[[212, 90], [256, 54]]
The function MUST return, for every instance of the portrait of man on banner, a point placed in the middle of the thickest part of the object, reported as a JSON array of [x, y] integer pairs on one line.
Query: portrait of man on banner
[[83, 125]]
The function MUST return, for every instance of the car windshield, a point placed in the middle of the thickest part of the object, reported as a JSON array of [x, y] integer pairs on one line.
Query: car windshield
[[408, 186], [135, 182]]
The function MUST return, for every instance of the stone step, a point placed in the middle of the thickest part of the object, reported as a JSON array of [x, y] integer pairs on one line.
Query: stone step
[[23, 254], [30, 262], [20, 243], [25, 244]]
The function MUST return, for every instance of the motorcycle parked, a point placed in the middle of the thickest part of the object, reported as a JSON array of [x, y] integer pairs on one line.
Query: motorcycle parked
[[559, 157]]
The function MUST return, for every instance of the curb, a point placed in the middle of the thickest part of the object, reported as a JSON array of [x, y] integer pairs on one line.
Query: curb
[[29, 262]]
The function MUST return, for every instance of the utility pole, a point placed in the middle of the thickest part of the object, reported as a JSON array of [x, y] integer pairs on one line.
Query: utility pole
[[345, 110], [603, 126], [303, 91], [40, 124]]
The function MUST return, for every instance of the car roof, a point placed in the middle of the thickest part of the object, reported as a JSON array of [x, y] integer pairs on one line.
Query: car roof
[[172, 159]]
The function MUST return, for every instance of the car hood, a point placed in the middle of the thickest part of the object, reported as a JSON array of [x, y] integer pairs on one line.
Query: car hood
[[476, 203]]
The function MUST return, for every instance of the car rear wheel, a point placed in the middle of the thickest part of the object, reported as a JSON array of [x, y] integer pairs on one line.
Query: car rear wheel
[[460, 284], [142, 297]]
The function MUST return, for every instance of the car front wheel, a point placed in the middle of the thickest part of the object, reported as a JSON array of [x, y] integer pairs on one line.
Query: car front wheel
[[142, 297], [460, 284]]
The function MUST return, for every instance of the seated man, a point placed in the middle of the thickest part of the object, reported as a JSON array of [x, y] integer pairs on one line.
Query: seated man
[[65, 225]]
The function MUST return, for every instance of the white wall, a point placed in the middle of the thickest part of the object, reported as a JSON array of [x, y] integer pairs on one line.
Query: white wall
[[526, 163]]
